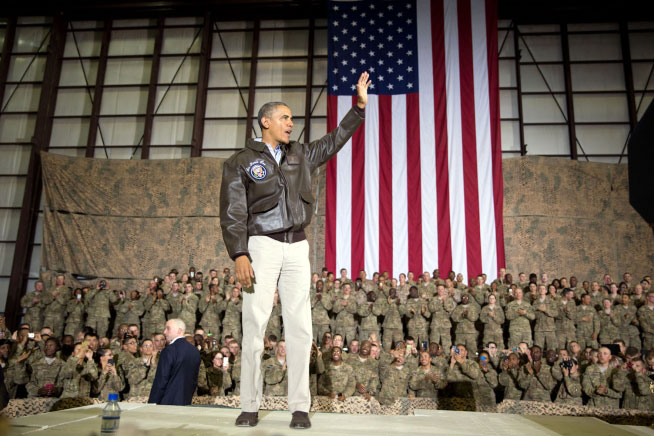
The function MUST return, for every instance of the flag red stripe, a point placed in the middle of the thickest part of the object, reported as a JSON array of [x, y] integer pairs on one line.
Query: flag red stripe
[[385, 183], [330, 191], [496, 143], [469, 139], [414, 204], [358, 197], [440, 114]]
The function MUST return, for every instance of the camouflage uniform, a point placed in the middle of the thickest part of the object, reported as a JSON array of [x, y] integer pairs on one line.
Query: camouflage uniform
[[211, 311], [320, 314], [43, 374], [628, 320], [565, 323], [614, 382], [34, 313], [588, 324], [484, 389], [189, 303], [440, 329], [427, 290], [395, 382], [417, 311], [569, 391], [346, 325], [53, 315], [493, 325], [232, 320], [156, 309], [365, 373], [478, 293], [175, 304], [275, 377], [74, 317], [465, 316], [638, 394], [108, 383], [609, 324], [235, 373], [316, 368], [545, 327], [274, 326], [99, 309], [131, 311], [646, 321], [538, 387], [509, 379], [78, 378], [462, 378], [368, 324], [140, 377], [218, 381], [337, 380], [519, 326], [422, 384], [393, 330]]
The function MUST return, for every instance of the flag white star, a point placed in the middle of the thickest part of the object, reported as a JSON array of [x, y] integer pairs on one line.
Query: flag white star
[[390, 86], [371, 69], [344, 47], [344, 79], [335, 38], [335, 7], [409, 85], [344, 16], [380, 30], [409, 69], [354, 23], [334, 87], [335, 71], [362, 61], [363, 14], [400, 78], [335, 54], [380, 15], [409, 36], [389, 69], [354, 8], [354, 87], [372, 6], [399, 30], [371, 53], [409, 53], [362, 30], [335, 23], [371, 37], [409, 21], [390, 7], [389, 23], [400, 61], [344, 62], [362, 45], [399, 14], [353, 70], [389, 54], [354, 39], [381, 78], [408, 6], [372, 86], [380, 62], [344, 31], [372, 22], [390, 37], [354, 54], [400, 45], [380, 46]]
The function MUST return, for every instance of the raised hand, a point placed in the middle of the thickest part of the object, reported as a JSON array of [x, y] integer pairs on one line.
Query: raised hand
[[362, 90]]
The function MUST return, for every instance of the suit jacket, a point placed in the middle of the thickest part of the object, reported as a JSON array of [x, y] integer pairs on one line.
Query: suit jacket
[[177, 374]]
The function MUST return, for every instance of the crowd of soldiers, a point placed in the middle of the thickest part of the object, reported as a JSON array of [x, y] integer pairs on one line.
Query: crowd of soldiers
[[384, 338]]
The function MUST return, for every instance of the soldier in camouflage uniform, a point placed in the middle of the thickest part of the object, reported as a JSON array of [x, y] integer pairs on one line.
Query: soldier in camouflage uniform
[[345, 307], [189, 305], [366, 372], [639, 392], [109, 379], [465, 315], [173, 298], [626, 315], [462, 373], [509, 378], [218, 378], [588, 324], [546, 310], [274, 326], [316, 368], [394, 379], [33, 302], [441, 307], [427, 379], [131, 309], [75, 314], [156, 306], [368, 312], [141, 370], [417, 310], [597, 295], [565, 321], [569, 391], [99, 302], [492, 316], [321, 304], [519, 313], [479, 290], [536, 378], [275, 373], [56, 302], [426, 289], [232, 320], [392, 325], [46, 379], [602, 383], [78, 373], [609, 323], [338, 380], [485, 385], [646, 321], [211, 306]]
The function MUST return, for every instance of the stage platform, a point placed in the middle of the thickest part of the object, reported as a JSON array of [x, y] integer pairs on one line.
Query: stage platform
[[140, 419]]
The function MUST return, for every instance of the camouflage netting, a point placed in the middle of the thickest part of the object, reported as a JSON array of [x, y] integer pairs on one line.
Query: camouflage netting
[[128, 220], [568, 217]]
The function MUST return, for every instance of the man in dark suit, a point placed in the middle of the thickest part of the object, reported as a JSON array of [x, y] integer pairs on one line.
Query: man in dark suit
[[177, 370]]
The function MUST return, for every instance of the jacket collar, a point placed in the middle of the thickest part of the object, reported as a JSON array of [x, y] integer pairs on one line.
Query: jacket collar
[[260, 146]]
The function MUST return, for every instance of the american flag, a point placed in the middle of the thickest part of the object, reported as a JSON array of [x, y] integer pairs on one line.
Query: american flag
[[419, 186]]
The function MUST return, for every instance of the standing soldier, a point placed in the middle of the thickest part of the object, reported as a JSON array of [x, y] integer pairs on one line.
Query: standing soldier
[[519, 313], [626, 315], [100, 300], [75, 314], [588, 325], [392, 325], [609, 323], [232, 320], [418, 313], [536, 377], [174, 299], [321, 304], [156, 306], [189, 305], [211, 306], [441, 308], [55, 310], [132, 309], [345, 308], [274, 326], [34, 303], [368, 312], [546, 310], [465, 315], [565, 321], [492, 316], [646, 321], [140, 371], [427, 287]]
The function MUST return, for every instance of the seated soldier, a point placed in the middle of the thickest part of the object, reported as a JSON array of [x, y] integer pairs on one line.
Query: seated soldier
[[394, 378], [509, 377], [218, 378], [46, 380], [275, 373], [109, 380], [366, 372], [484, 388], [79, 372], [536, 378], [338, 381], [141, 370], [427, 379]]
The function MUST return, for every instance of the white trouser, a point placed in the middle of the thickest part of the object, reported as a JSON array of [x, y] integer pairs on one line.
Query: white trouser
[[286, 267]]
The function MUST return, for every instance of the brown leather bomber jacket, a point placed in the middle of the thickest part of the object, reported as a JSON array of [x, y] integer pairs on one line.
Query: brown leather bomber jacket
[[259, 197]]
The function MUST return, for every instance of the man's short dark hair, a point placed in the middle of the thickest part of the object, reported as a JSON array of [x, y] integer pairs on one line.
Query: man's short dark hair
[[267, 110]]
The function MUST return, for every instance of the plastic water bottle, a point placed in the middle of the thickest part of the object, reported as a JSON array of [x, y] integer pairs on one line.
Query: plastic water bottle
[[110, 416]]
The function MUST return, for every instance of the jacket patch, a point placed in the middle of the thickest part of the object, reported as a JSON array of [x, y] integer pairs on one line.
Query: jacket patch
[[258, 171]]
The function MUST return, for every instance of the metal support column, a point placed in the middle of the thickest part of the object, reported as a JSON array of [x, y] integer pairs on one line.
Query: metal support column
[[152, 91], [203, 83], [572, 133]]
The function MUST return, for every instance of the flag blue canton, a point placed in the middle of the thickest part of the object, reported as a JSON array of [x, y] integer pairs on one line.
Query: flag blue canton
[[379, 37]]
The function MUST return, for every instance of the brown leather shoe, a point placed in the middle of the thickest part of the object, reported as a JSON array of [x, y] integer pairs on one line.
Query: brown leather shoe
[[247, 419], [300, 420]]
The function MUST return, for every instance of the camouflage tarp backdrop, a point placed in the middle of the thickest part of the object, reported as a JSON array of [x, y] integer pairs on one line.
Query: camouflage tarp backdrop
[[127, 220]]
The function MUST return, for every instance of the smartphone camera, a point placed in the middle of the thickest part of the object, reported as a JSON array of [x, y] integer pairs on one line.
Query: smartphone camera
[[30, 335]]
